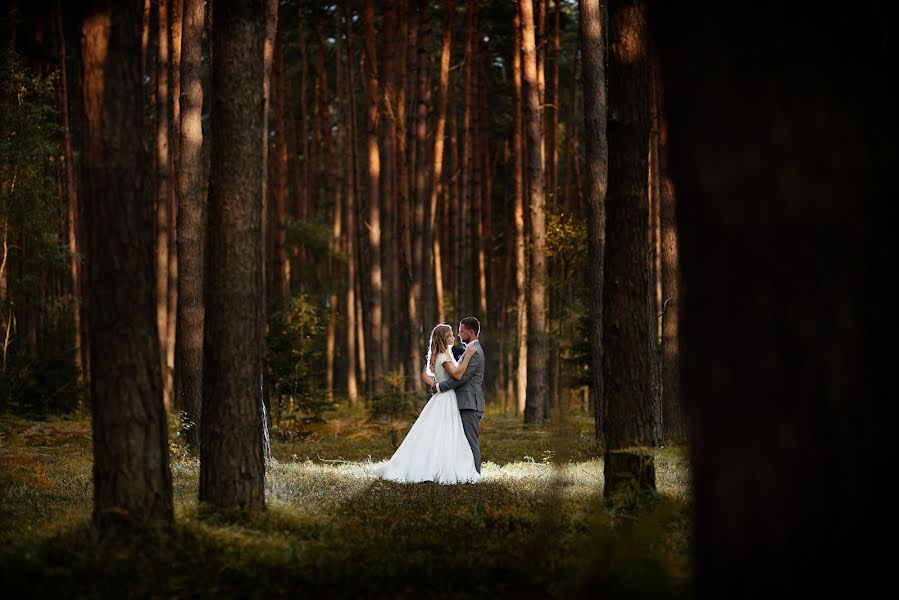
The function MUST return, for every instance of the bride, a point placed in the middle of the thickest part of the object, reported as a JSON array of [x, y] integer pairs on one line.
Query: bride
[[435, 449]]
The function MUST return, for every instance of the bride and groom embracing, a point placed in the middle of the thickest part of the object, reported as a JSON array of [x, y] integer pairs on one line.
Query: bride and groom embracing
[[442, 445]]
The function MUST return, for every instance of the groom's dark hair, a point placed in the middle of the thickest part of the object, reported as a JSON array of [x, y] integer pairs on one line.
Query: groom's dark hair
[[472, 324]]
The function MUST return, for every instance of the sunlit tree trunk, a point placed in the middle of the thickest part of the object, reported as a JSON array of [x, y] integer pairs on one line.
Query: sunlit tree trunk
[[537, 381], [163, 194], [630, 384], [521, 266], [232, 471], [191, 223], [131, 475]]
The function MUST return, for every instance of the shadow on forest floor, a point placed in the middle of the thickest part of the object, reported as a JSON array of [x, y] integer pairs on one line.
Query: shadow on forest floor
[[527, 529]]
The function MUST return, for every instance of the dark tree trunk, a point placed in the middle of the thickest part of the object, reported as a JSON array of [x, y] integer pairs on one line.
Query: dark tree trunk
[[630, 385], [374, 355], [437, 169], [420, 315], [674, 417], [782, 150], [191, 224], [280, 185], [132, 480], [232, 471], [593, 50], [537, 362]]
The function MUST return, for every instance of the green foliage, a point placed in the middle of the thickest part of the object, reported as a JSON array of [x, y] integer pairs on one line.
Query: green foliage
[[295, 362], [39, 377]]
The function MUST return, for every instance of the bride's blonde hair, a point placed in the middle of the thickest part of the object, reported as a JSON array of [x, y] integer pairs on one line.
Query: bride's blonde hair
[[439, 335]]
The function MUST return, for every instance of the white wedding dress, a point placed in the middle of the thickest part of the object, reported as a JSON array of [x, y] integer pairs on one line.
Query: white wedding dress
[[435, 449]]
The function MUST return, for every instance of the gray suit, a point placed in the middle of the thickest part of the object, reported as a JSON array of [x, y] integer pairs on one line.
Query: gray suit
[[471, 400]]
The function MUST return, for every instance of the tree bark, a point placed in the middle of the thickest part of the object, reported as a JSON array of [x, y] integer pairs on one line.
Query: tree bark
[[674, 416], [437, 165], [132, 480], [375, 355], [191, 223], [280, 189], [782, 150], [537, 380], [630, 383], [163, 194], [232, 471], [332, 203], [268, 53], [346, 89], [420, 316], [593, 49], [521, 266]]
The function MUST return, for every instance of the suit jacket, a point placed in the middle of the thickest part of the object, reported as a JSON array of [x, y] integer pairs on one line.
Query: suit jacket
[[468, 388]]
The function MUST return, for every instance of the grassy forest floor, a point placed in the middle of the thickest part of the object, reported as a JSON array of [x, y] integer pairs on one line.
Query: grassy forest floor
[[534, 526]]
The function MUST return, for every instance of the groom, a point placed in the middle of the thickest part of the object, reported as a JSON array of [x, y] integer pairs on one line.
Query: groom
[[468, 388]]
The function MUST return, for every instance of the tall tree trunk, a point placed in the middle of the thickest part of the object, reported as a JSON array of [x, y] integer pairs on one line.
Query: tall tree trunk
[[630, 384], [281, 279], [268, 53], [419, 314], [554, 106], [375, 355], [402, 237], [437, 184], [593, 49], [521, 266], [356, 255], [537, 382], [174, 40], [232, 471], [345, 91], [464, 251], [674, 416], [786, 233], [332, 200], [73, 221], [132, 479], [191, 222], [481, 179], [163, 194]]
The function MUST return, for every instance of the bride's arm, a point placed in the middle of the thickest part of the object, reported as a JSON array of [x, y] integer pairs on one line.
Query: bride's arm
[[456, 372], [425, 377]]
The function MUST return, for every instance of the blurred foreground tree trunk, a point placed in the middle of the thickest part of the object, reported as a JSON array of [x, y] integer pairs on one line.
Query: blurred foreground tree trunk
[[782, 150]]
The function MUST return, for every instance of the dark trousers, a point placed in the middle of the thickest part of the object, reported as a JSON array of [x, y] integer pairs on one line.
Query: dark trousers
[[471, 423]]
